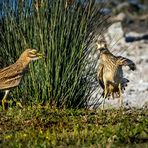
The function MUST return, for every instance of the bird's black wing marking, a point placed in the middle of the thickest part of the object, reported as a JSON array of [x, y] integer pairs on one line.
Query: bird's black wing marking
[[126, 62]]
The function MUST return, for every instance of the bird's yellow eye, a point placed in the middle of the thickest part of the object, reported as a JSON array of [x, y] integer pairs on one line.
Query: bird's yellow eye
[[34, 51]]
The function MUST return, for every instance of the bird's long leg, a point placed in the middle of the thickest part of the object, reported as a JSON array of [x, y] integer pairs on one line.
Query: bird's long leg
[[113, 96], [105, 96], [120, 95], [4, 99]]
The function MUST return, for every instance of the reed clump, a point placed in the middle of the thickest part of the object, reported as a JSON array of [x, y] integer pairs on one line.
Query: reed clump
[[64, 35]]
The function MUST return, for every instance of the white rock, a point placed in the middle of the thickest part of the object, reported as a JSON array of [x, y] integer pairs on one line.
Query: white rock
[[115, 35]]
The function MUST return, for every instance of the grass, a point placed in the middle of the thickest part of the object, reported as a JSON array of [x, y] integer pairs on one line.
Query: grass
[[40, 126]]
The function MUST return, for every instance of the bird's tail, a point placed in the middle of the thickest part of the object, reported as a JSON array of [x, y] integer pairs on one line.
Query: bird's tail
[[124, 82], [126, 62]]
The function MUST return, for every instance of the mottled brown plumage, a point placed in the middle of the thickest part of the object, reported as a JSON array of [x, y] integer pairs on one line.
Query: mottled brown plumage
[[110, 73], [113, 90], [11, 76]]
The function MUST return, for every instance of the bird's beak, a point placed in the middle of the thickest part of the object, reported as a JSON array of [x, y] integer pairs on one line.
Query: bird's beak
[[98, 45], [39, 55]]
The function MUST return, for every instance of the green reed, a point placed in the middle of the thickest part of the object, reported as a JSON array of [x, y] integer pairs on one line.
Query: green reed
[[64, 34]]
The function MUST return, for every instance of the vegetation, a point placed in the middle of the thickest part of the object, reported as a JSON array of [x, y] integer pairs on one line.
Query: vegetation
[[40, 126], [64, 34], [57, 86]]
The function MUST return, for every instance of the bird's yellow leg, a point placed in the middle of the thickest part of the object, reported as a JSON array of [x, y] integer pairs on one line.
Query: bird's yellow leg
[[113, 96], [120, 95], [105, 96], [4, 99], [103, 103]]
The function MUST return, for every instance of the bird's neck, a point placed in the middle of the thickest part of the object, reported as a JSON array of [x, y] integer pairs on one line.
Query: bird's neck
[[24, 62], [104, 51]]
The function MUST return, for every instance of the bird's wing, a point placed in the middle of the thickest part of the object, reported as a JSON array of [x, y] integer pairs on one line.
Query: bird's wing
[[10, 71], [10, 76], [126, 62], [124, 82], [10, 83], [100, 75]]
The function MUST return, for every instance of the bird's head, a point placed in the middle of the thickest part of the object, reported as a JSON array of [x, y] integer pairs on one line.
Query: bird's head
[[31, 54], [101, 44], [27, 56]]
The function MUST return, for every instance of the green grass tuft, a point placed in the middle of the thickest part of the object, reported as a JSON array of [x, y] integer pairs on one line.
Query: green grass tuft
[[64, 35]]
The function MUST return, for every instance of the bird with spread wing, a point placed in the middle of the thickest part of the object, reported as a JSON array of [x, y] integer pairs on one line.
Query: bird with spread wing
[[110, 73]]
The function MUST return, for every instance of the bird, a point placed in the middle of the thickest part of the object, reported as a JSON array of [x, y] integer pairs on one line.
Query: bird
[[113, 90], [110, 72], [11, 76]]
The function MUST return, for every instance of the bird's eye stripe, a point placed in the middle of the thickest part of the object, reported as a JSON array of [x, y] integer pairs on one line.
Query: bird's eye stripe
[[32, 55], [33, 52]]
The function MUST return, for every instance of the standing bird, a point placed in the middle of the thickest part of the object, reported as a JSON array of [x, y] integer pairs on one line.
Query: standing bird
[[11, 76], [110, 73]]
